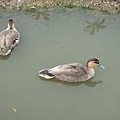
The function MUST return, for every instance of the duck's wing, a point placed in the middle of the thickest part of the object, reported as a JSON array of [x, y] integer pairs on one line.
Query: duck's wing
[[8, 37], [74, 72], [2, 39], [12, 38], [8, 40]]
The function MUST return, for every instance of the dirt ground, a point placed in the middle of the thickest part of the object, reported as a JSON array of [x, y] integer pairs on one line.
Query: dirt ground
[[6, 3], [105, 5]]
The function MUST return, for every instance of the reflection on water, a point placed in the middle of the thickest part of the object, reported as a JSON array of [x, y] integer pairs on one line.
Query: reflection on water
[[88, 83], [5, 57], [95, 26]]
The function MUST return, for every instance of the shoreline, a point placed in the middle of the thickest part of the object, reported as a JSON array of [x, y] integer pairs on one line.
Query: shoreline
[[104, 6]]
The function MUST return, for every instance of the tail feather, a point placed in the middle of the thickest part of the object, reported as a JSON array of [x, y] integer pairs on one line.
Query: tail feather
[[46, 74], [5, 51]]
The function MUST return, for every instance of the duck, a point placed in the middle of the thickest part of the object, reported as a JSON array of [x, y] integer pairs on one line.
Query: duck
[[9, 38], [72, 72]]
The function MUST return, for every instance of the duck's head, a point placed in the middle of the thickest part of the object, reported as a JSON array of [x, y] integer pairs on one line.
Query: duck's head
[[10, 24], [94, 63]]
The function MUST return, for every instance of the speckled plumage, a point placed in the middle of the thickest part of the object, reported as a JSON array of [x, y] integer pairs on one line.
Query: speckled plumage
[[9, 38]]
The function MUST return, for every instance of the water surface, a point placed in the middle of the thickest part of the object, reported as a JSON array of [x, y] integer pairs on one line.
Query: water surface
[[57, 37]]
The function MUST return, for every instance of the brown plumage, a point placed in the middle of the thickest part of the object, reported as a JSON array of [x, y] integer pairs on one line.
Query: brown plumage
[[9, 38], [74, 72]]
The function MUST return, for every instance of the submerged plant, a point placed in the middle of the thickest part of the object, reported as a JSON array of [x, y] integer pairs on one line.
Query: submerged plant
[[94, 26], [42, 14]]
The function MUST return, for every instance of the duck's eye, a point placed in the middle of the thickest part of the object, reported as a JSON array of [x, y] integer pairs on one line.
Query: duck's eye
[[96, 62]]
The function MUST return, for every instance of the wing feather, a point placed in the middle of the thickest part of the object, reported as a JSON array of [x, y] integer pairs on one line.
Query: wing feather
[[70, 72], [7, 38]]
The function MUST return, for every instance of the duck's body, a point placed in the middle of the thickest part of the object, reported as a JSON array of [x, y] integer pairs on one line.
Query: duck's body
[[9, 38], [74, 72]]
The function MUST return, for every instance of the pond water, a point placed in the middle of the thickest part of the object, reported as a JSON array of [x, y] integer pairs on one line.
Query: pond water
[[57, 37]]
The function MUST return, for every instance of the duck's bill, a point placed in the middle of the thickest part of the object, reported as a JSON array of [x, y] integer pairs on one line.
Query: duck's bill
[[101, 66]]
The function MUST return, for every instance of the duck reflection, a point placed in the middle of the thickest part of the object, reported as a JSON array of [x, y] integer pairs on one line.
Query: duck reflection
[[93, 27], [88, 83], [5, 57]]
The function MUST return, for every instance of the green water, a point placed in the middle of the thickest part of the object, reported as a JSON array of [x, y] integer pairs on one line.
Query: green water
[[57, 37]]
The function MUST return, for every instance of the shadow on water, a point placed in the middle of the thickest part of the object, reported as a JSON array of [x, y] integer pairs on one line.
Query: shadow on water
[[95, 26], [88, 83], [5, 57]]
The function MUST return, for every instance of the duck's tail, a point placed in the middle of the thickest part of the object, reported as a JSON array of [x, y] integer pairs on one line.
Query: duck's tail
[[5, 52], [45, 74]]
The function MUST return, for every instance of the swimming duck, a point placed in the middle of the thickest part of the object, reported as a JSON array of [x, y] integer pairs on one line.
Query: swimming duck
[[9, 38], [74, 72]]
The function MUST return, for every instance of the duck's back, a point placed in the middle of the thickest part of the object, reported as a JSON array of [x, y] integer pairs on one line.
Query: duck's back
[[8, 40], [7, 37], [73, 72]]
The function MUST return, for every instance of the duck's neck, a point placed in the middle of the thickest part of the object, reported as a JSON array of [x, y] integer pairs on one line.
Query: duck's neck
[[10, 26], [91, 72]]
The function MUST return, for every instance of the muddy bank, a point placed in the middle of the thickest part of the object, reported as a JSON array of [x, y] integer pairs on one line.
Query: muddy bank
[[110, 6]]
